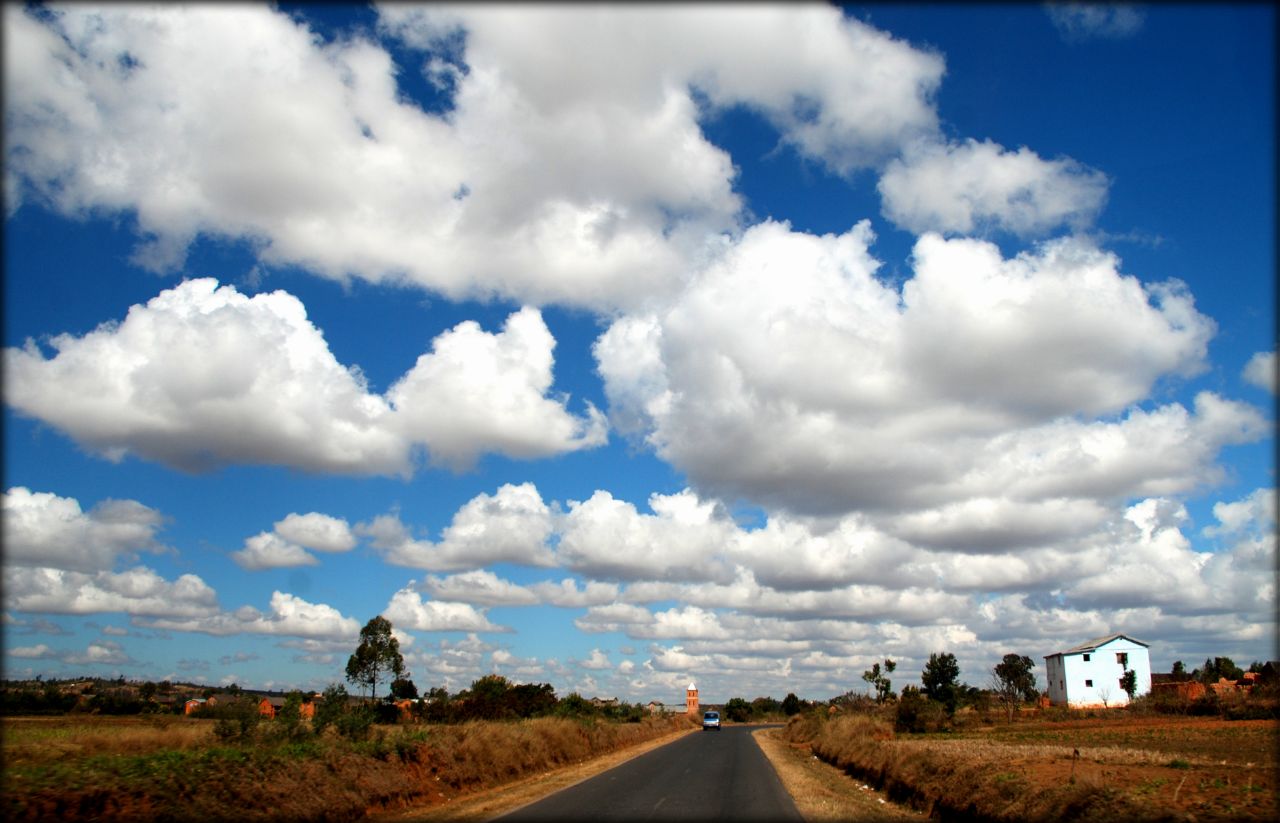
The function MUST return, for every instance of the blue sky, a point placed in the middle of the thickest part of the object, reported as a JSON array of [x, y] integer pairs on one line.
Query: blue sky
[[621, 347]]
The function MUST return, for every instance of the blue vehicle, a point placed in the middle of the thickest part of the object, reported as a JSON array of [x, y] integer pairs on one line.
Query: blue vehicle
[[711, 720]]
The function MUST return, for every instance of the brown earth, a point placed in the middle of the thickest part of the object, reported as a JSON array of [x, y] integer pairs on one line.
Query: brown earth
[[1143, 768]]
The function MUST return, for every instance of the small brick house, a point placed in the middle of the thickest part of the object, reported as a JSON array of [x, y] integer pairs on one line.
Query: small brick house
[[270, 706]]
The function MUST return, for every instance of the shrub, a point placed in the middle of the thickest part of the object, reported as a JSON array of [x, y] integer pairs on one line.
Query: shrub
[[915, 713]]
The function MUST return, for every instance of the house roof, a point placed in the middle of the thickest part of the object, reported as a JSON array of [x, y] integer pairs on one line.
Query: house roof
[[1090, 645]]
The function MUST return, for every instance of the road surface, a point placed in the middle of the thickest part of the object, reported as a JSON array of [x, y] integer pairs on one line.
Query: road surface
[[702, 776]]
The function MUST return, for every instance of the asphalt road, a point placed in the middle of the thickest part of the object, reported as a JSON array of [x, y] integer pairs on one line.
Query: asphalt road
[[702, 776]]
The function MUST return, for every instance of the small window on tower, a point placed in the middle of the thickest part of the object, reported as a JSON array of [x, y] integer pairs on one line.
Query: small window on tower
[[1089, 683], [1086, 658], [1122, 658]]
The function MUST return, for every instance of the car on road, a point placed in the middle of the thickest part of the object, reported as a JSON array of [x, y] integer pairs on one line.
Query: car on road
[[711, 720]]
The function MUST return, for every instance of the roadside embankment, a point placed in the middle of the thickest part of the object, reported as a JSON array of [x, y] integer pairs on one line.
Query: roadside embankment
[[1058, 773], [318, 778]]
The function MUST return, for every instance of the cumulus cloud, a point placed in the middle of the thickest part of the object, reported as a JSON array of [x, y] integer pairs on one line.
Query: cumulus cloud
[[1261, 370], [286, 546], [270, 551], [289, 615], [408, 610], [977, 186], [478, 392], [36, 652], [541, 183], [1078, 22], [511, 526], [203, 375], [480, 588], [317, 531], [46, 530], [136, 591], [734, 382], [603, 537]]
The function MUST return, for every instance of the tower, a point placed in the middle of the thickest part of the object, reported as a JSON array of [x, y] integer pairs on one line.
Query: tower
[[691, 700]]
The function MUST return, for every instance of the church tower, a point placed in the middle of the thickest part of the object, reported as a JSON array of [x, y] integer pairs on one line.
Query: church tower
[[691, 700]]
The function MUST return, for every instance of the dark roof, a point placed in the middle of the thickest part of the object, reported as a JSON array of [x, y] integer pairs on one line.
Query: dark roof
[[1090, 645]]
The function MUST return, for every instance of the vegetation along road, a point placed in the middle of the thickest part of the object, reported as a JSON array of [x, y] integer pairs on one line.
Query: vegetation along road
[[702, 776]]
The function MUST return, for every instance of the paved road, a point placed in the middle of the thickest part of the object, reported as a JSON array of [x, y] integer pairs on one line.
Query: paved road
[[703, 776]]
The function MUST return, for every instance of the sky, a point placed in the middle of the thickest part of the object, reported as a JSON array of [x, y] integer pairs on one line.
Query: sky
[[622, 347]]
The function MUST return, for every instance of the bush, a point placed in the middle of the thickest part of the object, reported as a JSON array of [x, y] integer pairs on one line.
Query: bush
[[916, 713], [237, 721], [355, 722]]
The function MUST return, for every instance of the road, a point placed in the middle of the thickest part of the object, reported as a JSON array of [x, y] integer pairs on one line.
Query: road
[[702, 776]]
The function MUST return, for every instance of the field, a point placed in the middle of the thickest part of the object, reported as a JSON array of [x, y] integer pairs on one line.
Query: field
[[79, 767], [1106, 767]]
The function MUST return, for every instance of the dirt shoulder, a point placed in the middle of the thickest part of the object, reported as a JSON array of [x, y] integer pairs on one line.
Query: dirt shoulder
[[822, 792]]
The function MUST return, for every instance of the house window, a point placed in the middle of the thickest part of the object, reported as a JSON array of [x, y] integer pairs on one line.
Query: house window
[[1122, 658], [1086, 658], [1089, 683]]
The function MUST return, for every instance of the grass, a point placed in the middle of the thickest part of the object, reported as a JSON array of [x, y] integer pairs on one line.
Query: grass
[[78, 768], [1031, 771]]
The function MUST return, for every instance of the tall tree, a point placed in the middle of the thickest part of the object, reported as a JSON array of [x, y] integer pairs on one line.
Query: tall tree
[[1013, 681], [879, 679], [940, 680], [377, 655]]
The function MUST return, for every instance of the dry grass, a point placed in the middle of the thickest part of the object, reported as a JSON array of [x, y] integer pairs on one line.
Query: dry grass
[[823, 794], [126, 769], [43, 739], [980, 774]]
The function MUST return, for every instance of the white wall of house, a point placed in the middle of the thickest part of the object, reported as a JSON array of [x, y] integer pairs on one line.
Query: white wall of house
[[1092, 678]]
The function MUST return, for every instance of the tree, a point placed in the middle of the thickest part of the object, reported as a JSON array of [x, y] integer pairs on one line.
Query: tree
[[1013, 681], [377, 655], [402, 688], [1130, 683], [880, 681], [1217, 668], [1179, 671], [737, 710], [940, 680], [790, 704]]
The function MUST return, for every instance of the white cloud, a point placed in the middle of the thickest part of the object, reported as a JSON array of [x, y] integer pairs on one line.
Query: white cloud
[[978, 377], [511, 526], [1078, 22], [480, 588], [136, 591], [408, 610], [478, 392], [268, 550], [972, 187], [542, 183], [284, 546], [1261, 370], [1255, 513], [316, 531], [203, 375], [597, 661], [289, 615], [607, 538], [43, 529], [567, 594], [36, 652]]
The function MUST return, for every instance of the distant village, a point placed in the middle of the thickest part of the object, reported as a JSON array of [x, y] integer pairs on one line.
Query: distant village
[[1105, 672]]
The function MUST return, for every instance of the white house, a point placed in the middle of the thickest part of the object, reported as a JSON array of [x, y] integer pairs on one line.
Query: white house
[[1090, 674]]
